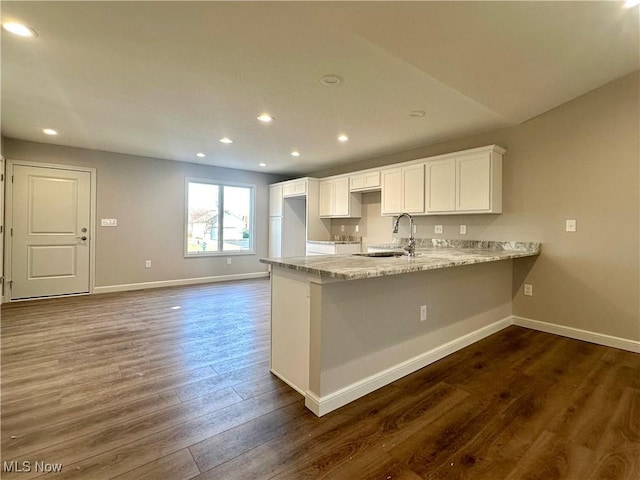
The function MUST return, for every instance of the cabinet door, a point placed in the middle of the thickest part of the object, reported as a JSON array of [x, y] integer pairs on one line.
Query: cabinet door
[[275, 236], [275, 201], [325, 205], [341, 196], [441, 186], [391, 191], [365, 181], [295, 188], [474, 182], [413, 189]]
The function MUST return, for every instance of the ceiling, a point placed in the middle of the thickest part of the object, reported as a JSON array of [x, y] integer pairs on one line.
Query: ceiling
[[169, 79]]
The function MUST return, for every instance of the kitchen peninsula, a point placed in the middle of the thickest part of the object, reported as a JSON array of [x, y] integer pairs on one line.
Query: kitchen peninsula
[[345, 325]]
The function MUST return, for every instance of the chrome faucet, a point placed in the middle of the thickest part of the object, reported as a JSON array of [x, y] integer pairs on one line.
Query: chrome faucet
[[411, 246]]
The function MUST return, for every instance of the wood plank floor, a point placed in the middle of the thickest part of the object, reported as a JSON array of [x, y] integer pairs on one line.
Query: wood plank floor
[[174, 384]]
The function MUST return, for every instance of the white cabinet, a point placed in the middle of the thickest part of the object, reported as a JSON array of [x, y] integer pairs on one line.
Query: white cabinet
[[441, 186], [293, 217], [275, 201], [365, 182], [294, 188], [467, 183], [403, 190], [325, 200], [275, 236], [337, 201], [331, 248], [479, 183]]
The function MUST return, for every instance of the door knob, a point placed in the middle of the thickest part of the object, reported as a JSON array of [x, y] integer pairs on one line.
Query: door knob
[[83, 238]]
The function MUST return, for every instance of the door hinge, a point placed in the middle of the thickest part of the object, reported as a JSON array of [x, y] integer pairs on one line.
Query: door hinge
[[1, 228], [11, 232], [11, 178], [1, 177]]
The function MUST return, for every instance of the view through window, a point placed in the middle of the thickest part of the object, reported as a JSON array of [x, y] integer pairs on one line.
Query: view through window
[[219, 218]]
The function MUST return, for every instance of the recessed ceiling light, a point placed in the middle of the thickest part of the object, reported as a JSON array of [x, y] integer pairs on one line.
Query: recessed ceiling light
[[331, 80], [19, 29], [343, 138], [49, 131], [295, 153], [631, 3], [265, 117], [226, 140], [417, 113], [200, 154], [262, 164]]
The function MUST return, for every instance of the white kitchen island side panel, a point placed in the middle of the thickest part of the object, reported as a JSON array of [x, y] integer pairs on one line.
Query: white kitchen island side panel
[[290, 328], [360, 330]]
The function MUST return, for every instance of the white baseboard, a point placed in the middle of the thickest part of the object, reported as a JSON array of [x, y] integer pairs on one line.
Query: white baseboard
[[328, 403], [578, 334], [174, 283]]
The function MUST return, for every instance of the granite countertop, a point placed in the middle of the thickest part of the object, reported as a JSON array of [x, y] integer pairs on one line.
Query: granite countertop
[[446, 255]]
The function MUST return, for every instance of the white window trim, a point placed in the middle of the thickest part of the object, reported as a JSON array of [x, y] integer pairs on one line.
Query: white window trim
[[220, 183]]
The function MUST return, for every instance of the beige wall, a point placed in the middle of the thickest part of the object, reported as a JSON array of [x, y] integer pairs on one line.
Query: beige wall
[[369, 326], [581, 161], [147, 198]]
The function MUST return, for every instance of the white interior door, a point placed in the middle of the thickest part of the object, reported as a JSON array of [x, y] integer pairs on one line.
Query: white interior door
[[50, 242]]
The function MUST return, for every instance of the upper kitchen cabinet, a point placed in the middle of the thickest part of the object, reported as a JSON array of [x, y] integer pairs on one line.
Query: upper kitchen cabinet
[[467, 182], [294, 188], [337, 201], [365, 182], [275, 200], [441, 186], [403, 190], [294, 219]]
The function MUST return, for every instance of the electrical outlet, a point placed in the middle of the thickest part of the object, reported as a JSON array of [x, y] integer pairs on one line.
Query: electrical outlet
[[357, 228], [147, 264], [423, 313], [342, 228], [415, 228], [437, 229], [463, 229], [570, 225], [228, 261], [528, 290]]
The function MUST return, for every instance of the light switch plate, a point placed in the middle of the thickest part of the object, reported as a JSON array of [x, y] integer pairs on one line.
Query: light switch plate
[[528, 290], [570, 225], [108, 222], [437, 229]]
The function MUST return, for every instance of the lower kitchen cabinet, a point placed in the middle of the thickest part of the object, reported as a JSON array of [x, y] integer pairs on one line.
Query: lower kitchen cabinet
[[330, 248]]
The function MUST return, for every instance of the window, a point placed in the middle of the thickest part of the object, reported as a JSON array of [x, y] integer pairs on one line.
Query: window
[[219, 218]]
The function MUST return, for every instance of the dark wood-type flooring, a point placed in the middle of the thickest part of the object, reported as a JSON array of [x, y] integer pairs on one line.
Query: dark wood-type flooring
[[128, 386]]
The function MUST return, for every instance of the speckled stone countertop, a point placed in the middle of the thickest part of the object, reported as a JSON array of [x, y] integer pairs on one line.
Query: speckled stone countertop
[[354, 267]]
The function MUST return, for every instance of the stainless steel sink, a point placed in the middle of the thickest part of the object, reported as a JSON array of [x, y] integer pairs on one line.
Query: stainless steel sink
[[391, 253]]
